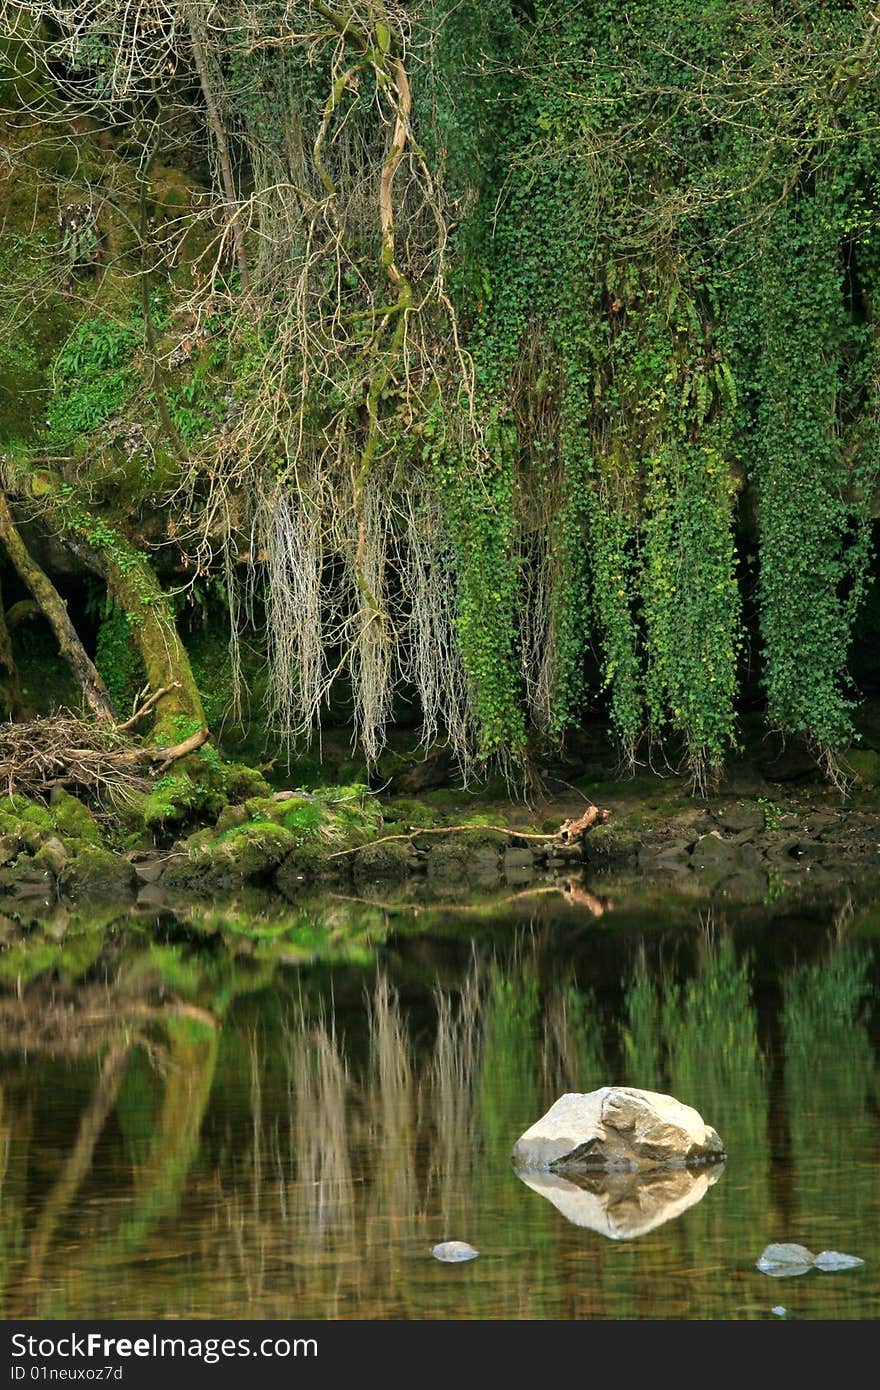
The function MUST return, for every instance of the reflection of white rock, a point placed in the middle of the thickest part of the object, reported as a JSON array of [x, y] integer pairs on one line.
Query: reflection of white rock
[[622, 1206], [617, 1127]]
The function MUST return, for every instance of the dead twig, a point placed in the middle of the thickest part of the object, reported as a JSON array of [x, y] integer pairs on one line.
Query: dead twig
[[147, 706]]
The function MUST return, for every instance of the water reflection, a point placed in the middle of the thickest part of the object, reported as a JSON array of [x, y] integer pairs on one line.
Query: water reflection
[[196, 1132], [623, 1206]]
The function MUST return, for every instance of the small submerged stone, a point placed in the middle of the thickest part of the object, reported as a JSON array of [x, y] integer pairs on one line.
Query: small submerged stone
[[830, 1260], [784, 1261], [453, 1252]]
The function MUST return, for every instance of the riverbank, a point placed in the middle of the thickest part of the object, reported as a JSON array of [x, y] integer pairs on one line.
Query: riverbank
[[448, 842]]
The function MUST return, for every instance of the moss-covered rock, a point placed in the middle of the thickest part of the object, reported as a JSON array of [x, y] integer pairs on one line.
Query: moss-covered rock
[[230, 817], [393, 860], [10, 848], [609, 845], [174, 799], [94, 868], [243, 782], [52, 855], [409, 814], [34, 814], [249, 851], [73, 819]]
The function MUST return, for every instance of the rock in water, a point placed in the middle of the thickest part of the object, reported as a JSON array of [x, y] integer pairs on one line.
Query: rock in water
[[617, 1127], [830, 1260], [784, 1261], [452, 1252]]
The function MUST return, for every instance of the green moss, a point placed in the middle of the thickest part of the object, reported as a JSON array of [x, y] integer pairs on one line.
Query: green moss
[[243, 782], [304, 818], [93, 868], [352, 808], [411, 814], [172, 801], [247, 851], [118, 659], [34, 814], [71, 818]]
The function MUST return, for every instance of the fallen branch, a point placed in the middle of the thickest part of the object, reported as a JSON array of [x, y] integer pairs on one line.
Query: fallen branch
[[569, 831]]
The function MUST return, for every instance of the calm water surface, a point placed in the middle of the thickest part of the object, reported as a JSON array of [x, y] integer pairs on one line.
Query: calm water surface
[[251, 1110]]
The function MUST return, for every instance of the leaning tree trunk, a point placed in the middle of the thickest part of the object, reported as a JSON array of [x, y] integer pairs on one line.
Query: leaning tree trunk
[[54, 609], [10, 689], [133, 584]]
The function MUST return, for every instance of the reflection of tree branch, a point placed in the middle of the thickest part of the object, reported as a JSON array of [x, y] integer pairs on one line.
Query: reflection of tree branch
[[193, 1043], [567, 890], [44, 1024], [77, 1165]]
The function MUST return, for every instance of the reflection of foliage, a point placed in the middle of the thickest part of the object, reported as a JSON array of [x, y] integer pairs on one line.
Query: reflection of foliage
[[641, 1034], [832, 1084], [319, 1167], [573, 1050], [828, 1050], [510, 1054]]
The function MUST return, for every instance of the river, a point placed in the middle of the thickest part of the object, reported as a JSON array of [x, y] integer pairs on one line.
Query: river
[[250, 1108]]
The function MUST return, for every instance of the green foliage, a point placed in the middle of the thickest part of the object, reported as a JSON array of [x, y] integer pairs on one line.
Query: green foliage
[[772, 813], [117, 658], [173, 799], [93, 374], [660, 372], [700, 293], [691, 602], [477, 497]]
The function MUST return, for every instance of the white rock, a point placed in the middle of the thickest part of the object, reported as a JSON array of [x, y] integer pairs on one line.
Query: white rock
[[624, 1205], [452, 1252], [617, 1127], [785, 1261], [830, 1260]]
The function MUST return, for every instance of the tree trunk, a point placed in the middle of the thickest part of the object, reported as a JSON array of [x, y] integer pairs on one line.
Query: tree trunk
[[10, 689], [131, 581], [217, 130], [53, 607]]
